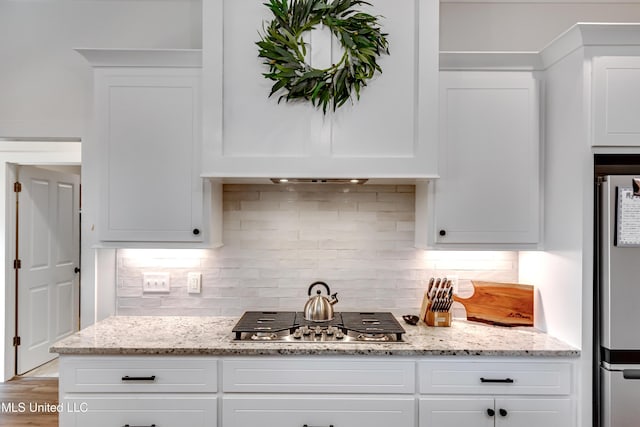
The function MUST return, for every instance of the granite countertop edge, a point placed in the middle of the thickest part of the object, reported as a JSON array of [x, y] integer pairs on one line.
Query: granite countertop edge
[[212, 336]]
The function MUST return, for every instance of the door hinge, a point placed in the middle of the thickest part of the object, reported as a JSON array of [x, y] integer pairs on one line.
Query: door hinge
[[16, 341], [17, 264], [17, 187]]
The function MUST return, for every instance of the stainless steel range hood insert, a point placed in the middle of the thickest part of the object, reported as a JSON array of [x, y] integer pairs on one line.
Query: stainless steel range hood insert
[[318, 180]]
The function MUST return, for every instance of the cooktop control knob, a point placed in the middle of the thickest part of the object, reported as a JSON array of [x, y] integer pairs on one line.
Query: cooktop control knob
[[297, 334], [339, 335], [330, 330], [317, 330], [306, 330]]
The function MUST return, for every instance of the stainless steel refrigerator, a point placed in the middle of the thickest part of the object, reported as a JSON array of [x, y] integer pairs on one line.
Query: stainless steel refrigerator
[[618, 300]]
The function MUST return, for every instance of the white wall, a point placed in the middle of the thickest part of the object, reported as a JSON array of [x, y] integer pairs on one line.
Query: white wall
[[43, 82], [518, 25]]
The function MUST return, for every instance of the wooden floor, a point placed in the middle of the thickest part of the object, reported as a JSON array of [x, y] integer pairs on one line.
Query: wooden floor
[[18, 400]]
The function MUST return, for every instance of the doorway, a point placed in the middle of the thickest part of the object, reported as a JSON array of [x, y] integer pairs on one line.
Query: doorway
[[47, 261], [54, 151]]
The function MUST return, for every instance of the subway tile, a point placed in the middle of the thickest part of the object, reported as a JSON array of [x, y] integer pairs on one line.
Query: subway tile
[[231, 206], [228, 196], [276, 214], [341, 206], [395, 216], [384, 206], [298, 206], [404, 198], [259, 206], [405, 225]]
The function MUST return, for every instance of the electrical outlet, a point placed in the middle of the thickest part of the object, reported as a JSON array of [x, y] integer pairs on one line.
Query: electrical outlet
[[454, 283], [155, 282], [194, 283]]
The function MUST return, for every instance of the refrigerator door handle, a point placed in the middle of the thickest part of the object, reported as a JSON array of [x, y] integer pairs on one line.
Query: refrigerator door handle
[[631, 374]]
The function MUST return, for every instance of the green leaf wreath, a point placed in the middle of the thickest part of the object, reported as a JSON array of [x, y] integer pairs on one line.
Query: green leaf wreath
[[284, 51]]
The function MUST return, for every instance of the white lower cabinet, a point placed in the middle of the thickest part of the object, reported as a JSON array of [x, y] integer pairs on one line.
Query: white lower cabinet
[[490, 412], [318, 392], [164, 410], [318, 411], [508, 393], [138, 391]]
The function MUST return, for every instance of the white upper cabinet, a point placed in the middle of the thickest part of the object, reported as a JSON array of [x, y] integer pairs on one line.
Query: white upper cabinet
[[149, 130], [390, 132], [146, 140], [616, 101], [488, 192]]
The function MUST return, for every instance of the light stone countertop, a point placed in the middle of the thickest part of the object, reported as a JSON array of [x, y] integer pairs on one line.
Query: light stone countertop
[[151, 335]]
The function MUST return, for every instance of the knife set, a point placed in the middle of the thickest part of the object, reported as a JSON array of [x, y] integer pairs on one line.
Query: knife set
[[437, 301]]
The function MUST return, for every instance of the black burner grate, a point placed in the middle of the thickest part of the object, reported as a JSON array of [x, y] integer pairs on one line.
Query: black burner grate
[[372, 323], [265, 321]]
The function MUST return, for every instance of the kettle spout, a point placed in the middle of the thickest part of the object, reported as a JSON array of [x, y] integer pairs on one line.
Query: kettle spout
[[334, 299]]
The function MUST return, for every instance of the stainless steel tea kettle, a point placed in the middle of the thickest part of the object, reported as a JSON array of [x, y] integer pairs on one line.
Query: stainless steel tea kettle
[[320, 308]]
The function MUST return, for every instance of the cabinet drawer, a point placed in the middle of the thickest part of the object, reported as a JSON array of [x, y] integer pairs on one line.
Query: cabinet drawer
[[138, 374], [313, 410], [161, 410], [494, 378], [318, 376]]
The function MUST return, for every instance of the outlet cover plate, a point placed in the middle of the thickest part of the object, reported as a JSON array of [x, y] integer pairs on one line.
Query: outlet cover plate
[[156, 282]]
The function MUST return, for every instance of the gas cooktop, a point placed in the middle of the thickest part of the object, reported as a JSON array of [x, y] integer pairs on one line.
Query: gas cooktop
[[291, 326]]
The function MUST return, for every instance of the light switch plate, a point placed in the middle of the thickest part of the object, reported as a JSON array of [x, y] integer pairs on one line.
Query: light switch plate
[[194, 283], [156, 282]]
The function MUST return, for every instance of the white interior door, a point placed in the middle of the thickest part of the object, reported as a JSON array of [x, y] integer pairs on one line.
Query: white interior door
[[48, 250]]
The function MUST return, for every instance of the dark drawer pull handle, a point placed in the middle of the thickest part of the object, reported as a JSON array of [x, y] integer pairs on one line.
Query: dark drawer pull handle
[[128, 378], [503, 412], [491, 412], [496, 380], [127, 425]]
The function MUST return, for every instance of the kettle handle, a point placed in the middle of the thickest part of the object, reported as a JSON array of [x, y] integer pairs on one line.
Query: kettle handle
[[319, 283]]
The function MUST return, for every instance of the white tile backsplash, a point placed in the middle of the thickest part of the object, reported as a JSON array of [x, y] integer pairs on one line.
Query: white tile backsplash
[[280, 238]]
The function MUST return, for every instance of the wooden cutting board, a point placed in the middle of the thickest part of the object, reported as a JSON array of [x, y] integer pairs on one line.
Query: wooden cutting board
[[503, 304]]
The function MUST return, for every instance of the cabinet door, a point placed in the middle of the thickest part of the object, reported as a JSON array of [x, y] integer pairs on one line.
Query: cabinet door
[[456, 412], [534, 412], [488, 191], [166, 410], [149, 130], [317, 411], [616, 101], [390, 131]]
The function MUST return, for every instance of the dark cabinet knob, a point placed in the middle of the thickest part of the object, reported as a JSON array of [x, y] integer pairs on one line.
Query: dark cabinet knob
[[196, 231], [491, 412], [503, 412], [76, 270], [443, 232]]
